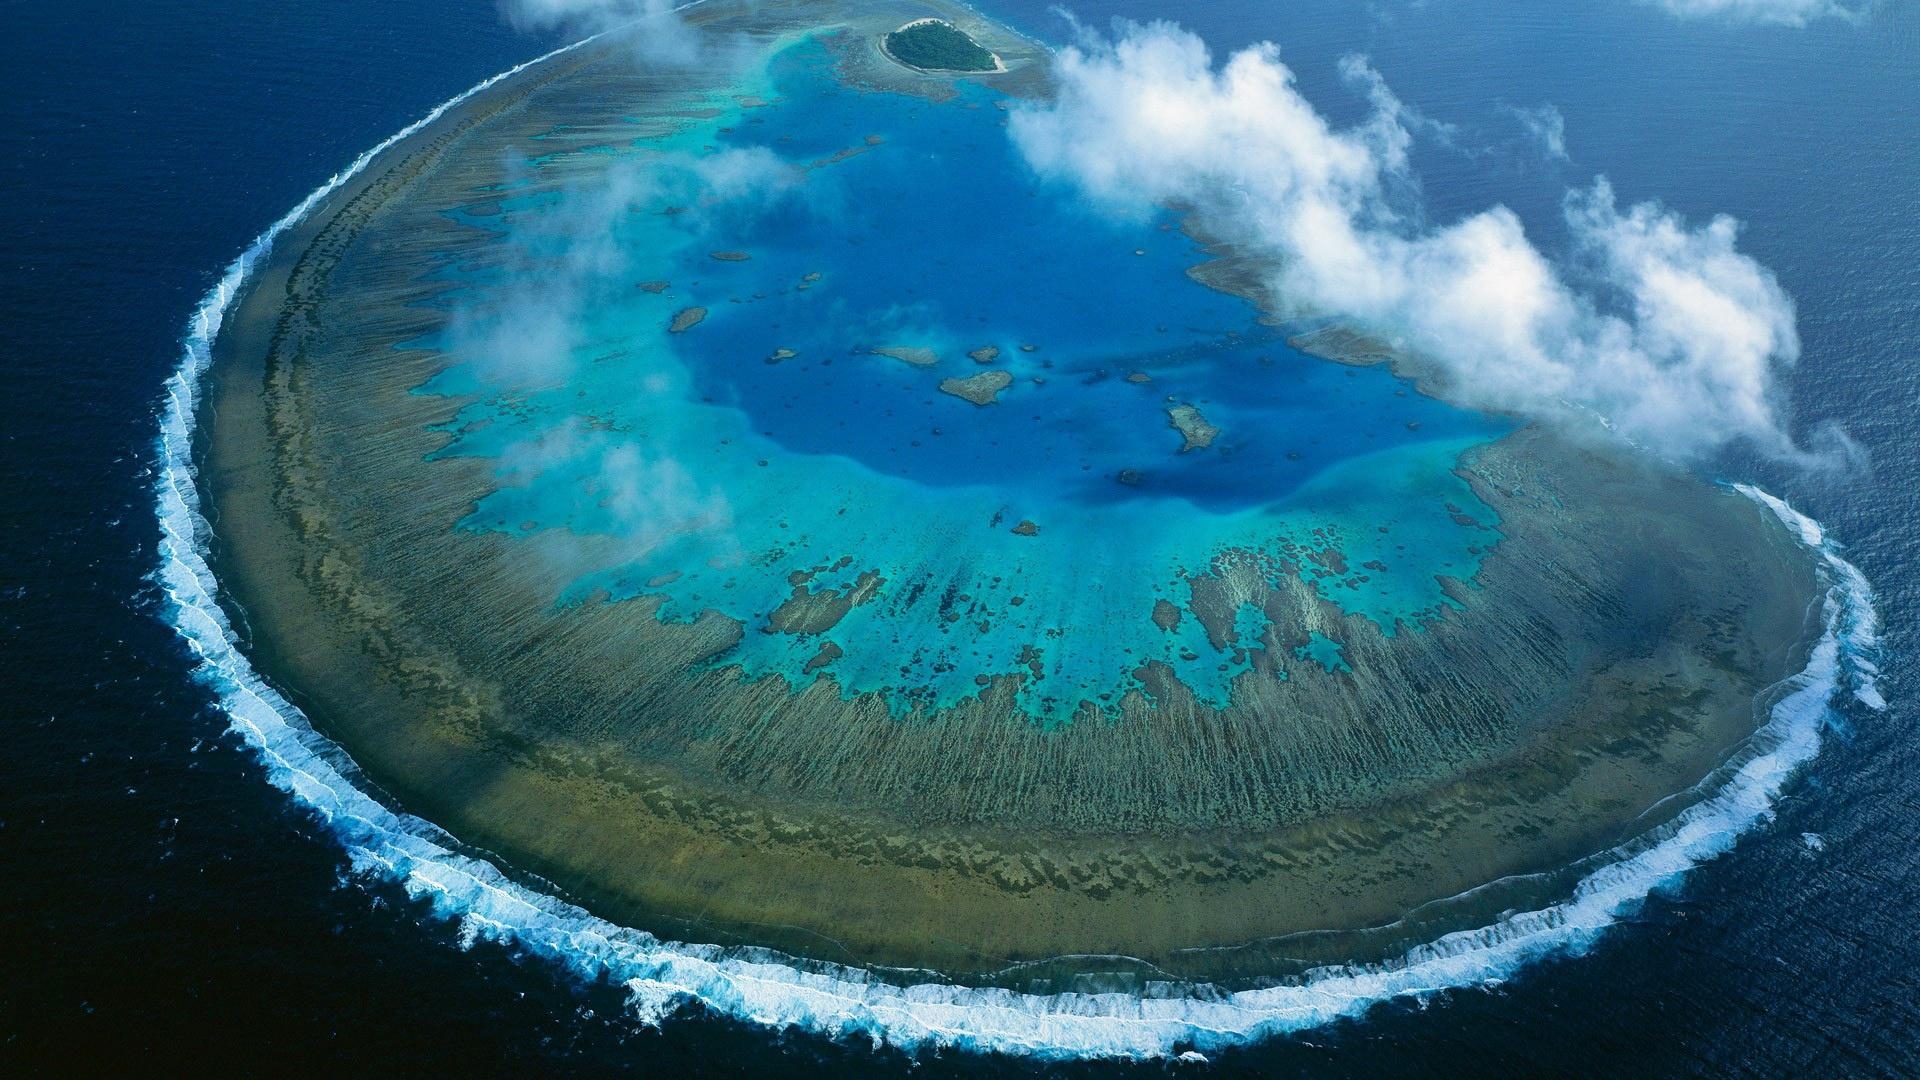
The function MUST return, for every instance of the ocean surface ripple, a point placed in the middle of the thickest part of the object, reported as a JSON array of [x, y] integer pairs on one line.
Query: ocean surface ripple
[[755, 985]]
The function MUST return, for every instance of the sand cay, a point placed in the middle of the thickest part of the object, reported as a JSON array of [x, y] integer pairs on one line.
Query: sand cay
[[1602, 652]]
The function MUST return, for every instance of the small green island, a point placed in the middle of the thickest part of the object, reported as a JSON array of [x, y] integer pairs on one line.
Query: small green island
[[938, 45]]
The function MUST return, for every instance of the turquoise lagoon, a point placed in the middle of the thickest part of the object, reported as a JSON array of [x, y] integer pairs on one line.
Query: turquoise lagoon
[[767, 450]]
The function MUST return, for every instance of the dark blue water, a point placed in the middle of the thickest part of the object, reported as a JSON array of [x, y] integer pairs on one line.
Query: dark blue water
[[167, 909]]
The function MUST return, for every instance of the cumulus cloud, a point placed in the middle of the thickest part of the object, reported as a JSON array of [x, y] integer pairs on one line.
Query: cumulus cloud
[[564, 257], [655, 27], [1548, 128], [647, 500], [1770, 12], [567, 253], [1666, 330]]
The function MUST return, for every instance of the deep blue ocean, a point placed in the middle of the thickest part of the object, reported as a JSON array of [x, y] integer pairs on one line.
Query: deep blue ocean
[[167, 910]]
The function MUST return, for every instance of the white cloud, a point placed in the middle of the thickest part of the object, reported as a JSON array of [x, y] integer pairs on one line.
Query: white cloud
[[646, 500], [530, 329], [1772, 12], [565, 257], [1668, 331], [1548, 128], [656, 29]]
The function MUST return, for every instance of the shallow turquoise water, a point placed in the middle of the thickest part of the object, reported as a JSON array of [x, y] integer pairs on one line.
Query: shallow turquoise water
[[874, 220]]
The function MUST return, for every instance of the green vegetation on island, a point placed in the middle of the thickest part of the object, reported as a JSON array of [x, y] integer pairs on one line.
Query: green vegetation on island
[[934, 45]]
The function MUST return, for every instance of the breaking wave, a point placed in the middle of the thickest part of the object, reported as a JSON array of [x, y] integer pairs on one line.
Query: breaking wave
[[754, 985]]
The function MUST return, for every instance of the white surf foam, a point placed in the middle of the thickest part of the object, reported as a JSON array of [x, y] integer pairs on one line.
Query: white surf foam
[[753, 985]]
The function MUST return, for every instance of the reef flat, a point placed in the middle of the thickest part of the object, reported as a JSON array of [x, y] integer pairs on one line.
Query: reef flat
[[1195, 432], [981, 389], [810, 654]]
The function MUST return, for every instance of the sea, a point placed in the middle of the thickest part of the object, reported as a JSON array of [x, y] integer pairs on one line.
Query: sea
[[169, 909]]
